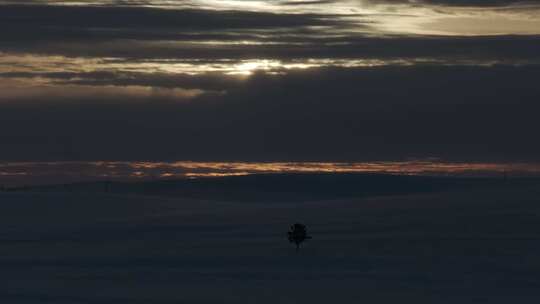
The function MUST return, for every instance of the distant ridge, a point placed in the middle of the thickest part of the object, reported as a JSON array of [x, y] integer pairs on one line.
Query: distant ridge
[[291, 187]]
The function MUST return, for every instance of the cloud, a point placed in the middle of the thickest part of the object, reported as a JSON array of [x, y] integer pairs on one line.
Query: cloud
[[268, 80], [463, 113], [67, 22], [25, 76], [478, 3], [22, 91]]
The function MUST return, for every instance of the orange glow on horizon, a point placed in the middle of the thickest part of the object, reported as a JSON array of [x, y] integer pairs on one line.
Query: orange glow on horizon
[[23, 173]]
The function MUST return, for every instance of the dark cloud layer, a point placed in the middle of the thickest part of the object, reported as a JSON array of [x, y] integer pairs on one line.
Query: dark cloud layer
[[332, 114], [140, 32], [67, 22]]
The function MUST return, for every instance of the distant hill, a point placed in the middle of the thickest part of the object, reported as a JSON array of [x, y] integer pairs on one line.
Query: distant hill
[[288, 187]]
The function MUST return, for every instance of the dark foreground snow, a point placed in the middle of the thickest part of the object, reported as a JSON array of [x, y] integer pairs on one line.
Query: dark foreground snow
[[480, 246]]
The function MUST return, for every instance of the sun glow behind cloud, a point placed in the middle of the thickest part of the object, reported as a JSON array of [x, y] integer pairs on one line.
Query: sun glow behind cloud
[[329, 29], [26, 77]]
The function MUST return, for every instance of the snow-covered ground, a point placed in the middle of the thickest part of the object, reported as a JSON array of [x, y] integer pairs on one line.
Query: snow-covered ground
[[480, 246]]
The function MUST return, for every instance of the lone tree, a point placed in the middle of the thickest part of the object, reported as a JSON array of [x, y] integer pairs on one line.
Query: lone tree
[[298, 234]]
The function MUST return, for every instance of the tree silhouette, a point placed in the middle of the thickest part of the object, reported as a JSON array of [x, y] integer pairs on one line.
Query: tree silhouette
[[298, 234]]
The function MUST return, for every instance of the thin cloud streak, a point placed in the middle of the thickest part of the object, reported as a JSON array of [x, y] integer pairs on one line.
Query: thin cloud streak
[[18, 174]]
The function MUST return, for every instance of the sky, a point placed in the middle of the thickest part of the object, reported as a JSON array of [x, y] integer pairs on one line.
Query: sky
[[269, 80]]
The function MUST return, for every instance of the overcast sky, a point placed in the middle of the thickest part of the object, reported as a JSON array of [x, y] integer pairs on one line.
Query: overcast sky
[[270, 80]]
